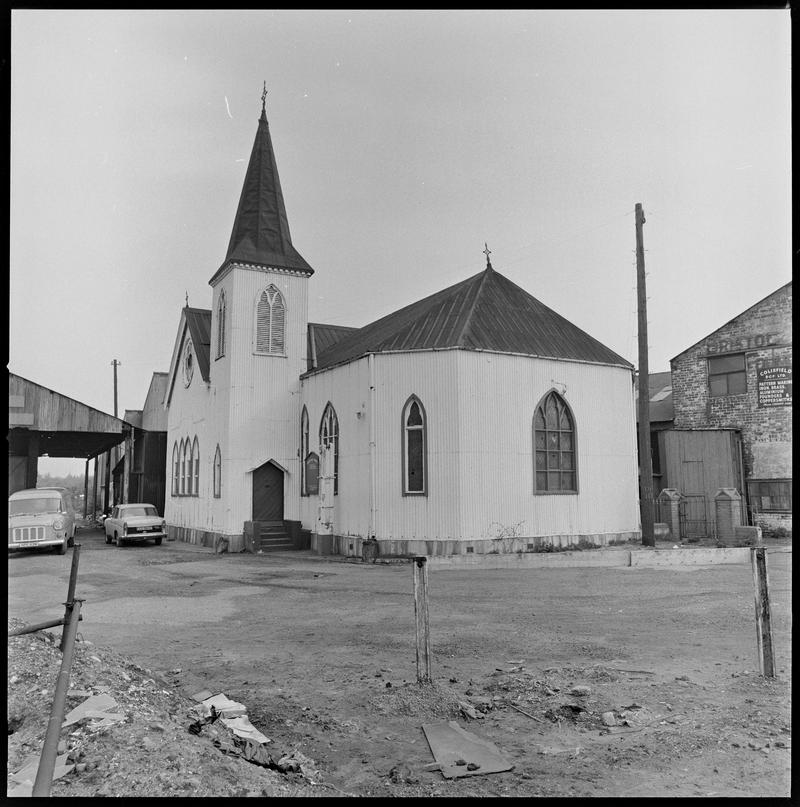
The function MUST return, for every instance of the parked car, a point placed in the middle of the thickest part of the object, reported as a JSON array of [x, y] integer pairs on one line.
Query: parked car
[[41, 518], [134, 523]]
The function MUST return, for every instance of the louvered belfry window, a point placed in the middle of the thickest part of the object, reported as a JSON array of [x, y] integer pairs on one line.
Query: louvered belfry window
[[555, 470], [271, 322]]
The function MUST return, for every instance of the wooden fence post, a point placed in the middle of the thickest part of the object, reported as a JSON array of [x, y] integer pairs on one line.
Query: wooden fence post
[[766, 650], [420, 567]]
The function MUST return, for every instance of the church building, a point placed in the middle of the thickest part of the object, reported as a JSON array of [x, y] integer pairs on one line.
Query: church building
[[476, 420]]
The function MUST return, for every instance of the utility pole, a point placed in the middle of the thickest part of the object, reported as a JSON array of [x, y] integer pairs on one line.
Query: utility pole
[[116, 364], [645, 458]]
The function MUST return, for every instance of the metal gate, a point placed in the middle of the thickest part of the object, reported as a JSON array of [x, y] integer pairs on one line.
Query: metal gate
[[693, 516]]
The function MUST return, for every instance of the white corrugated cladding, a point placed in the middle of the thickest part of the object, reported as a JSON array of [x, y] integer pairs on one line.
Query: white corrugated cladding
[[432, 377], [194, 413], [347, 389], [497, 398], [264, 400]]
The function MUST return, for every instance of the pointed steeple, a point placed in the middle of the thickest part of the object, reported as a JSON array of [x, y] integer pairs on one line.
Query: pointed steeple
[[260, 232]]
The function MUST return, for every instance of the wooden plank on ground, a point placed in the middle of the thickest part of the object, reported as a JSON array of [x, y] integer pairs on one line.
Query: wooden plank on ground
[[449, 743]]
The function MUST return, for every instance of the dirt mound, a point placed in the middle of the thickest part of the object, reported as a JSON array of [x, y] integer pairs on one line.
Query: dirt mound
[[147, 751]]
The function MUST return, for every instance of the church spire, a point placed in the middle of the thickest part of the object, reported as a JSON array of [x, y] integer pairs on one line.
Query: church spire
[[260, 232]]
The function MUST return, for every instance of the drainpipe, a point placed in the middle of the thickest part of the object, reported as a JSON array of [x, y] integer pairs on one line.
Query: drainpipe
[[372, 469]]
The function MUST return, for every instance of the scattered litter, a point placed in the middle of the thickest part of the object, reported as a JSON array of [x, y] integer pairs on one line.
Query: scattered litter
[[470, 711], [402, 774], [242, 727], [449, 742], [197, 726], [95, 706], [26, 776], [202, 695], [527, 714], [224, 706]]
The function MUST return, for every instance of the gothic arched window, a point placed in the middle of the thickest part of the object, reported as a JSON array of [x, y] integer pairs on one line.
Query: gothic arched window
[[221, 325], [303, 451], [196, 468], [555, 469], [415, 447], [270, 322], [217, 473], [189, 458], [175, 468], [182, 491], [329, 436]]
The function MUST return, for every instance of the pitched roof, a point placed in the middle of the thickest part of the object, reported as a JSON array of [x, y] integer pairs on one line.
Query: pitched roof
[[260, 232], [198, 320], [660, 391], [484, 312], [321, 337], [786, 287]]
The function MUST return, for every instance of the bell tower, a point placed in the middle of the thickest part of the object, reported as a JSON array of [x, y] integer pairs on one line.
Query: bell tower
[[259, 323]]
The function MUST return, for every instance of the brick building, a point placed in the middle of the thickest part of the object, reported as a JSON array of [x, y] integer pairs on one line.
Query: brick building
[[740, 377]]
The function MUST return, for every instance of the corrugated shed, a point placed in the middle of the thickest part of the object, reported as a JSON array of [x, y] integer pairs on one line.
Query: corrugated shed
[[483, 312], [198, 321], [660, 385]]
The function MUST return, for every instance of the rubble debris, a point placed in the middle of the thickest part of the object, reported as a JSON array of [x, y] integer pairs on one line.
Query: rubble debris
[[470, 711], [94, 707], [450, 743], [242, 727], [224, 706], [26, 775], [580, 691]]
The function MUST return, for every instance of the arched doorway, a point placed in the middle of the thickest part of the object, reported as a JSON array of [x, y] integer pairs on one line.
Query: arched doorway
[[268, 493]]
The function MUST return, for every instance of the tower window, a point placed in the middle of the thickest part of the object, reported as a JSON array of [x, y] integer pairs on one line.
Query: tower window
[[271, 322]]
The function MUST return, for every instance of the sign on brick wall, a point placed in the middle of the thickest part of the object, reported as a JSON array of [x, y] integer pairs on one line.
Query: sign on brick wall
[[774, 386]]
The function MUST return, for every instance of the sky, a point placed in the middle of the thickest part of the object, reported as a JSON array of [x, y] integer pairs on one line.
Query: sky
[[406, 140]]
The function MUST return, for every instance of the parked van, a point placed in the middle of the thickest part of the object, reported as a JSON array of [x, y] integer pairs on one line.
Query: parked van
[[41, 518]]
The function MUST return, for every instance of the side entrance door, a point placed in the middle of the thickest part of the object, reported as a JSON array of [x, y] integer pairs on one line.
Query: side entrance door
[[267, 493]]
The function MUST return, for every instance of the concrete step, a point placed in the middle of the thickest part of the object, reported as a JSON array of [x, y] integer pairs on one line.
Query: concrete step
[[274, 542]]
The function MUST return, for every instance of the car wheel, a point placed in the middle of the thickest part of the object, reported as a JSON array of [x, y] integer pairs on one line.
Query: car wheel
[[108, 538], [118, 540], [71, 540], [158, 541]]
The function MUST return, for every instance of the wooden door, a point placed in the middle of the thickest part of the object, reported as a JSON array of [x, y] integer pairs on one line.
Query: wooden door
[[267, 493]]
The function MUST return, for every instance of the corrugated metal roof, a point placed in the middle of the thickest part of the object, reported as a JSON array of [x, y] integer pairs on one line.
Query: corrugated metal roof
[[660, 388], [261, 228], [321, 337], [198, 320], [484, 312]]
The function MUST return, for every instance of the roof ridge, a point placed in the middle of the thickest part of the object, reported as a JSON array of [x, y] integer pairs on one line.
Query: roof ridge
[[468, 319]]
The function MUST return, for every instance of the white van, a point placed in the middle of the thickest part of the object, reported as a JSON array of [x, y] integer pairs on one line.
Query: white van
[[41, 518]]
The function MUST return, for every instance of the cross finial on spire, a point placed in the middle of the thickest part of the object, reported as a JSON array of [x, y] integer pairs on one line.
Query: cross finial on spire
[[187, 299], [487, 252], [264, 98]]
